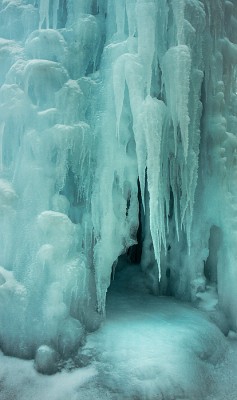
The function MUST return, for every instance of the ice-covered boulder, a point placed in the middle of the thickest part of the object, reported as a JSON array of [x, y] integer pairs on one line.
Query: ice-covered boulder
[[46, 44], [70, 337], [46, 360], [57, 230], [53, 75]]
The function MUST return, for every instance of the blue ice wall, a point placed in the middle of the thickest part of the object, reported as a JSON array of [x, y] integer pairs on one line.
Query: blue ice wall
[[94, 96]]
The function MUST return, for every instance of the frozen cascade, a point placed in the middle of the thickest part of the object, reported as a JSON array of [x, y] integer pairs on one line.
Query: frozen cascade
[[177, 90], [44, 13], [115, 116]]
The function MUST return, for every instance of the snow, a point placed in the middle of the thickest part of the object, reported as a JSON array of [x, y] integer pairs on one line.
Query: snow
[[19, 380], [225, 375], [148, 348]]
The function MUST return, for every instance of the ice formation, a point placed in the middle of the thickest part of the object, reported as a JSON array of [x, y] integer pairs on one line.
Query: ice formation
[[115, 117]]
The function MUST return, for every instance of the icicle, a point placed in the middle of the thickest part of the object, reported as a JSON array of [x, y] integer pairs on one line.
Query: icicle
[[129, 65], [153, 116], [119, 89], [55, 13], [146, 14], [178, 10], [132, 23], [177, 81], [120, 16], [162, 26], [44, 13]]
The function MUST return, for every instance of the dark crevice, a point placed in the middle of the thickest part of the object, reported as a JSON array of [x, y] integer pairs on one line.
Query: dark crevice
[[210, 266], [171, 205], [132, 256], [134, 253]]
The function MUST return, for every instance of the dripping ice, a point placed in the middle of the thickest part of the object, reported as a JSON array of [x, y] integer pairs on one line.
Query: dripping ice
[[115, 118]]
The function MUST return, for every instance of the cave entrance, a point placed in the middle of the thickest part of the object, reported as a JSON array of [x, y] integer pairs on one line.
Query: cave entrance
[[127, 270], [210, 266]]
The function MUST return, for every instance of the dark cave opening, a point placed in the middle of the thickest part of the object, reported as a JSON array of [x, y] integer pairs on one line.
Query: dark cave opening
[[134, 253], [210, 266], [126, 271]]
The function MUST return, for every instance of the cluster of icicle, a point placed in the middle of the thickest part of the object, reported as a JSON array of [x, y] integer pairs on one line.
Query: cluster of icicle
[[95, 96], [152, 70]]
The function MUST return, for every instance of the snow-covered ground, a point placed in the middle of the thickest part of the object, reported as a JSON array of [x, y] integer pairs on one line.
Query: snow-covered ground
[[225, 375], [149, 348]]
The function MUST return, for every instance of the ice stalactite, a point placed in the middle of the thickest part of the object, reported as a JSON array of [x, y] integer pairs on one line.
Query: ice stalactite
[[177, 82], [44, 13], [95, 97]]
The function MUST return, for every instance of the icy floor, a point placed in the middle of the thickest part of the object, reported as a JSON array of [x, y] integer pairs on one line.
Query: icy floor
[[225, 376], [149, 348]]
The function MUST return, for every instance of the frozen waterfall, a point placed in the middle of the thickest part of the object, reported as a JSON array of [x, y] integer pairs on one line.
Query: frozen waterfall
[[118, 130]]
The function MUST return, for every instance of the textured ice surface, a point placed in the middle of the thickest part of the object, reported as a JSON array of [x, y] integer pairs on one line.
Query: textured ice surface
[[117, 136], [148, 348]]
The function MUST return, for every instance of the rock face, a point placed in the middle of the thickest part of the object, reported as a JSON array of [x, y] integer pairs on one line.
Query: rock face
[[117, 129]]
